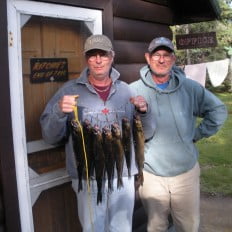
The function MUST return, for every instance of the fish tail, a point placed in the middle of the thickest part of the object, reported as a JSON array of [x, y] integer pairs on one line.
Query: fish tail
[[129, 172], [128, 164], [80, 187], [99, 197], [142, 178], [110, 187], [119, 183], [91, 168]]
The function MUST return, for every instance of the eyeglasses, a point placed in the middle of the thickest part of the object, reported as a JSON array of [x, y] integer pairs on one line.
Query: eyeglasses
[[104, 56], [157, 56]]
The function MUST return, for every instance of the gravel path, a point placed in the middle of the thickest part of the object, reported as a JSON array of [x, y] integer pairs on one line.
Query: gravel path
[[216, 214]]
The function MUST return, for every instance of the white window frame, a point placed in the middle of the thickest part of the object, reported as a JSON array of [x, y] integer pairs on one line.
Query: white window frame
[[15, 8]]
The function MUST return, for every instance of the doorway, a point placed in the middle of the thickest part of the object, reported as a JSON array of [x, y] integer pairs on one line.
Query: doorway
[[45, 32]]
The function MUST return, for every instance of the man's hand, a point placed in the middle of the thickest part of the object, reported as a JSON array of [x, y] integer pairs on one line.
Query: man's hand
[[139, 103], [67, 102]]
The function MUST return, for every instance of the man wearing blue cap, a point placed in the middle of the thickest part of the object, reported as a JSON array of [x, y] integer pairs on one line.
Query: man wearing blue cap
[[171, 169]]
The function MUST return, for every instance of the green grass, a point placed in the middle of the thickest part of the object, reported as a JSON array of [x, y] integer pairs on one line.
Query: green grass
[[216, 156]]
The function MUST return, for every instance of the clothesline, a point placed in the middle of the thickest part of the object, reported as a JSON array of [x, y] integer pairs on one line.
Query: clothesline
[[217, 72]]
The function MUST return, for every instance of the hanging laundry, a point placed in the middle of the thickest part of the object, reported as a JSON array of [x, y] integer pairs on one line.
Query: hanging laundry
[[196, 72], [217, 71]]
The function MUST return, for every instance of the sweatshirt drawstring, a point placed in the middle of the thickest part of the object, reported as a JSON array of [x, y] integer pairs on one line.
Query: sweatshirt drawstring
[[157, 102]]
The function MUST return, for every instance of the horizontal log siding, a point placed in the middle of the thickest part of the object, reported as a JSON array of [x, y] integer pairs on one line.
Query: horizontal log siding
[[129, 72], [128, 52], [145, 11], [135, 30]]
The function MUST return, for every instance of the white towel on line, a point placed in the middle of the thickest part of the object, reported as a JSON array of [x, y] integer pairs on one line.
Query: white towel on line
[[217, 71], [196, 72]]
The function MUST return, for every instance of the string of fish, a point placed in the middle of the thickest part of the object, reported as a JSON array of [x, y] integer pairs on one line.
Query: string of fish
[[108, 146], [75, 109]]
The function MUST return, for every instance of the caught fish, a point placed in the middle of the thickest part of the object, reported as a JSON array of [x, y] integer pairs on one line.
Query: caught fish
[[126, 142], [109, 155], [99, 159], [139, 139], [118, 152], [78, 150], [88, 137]]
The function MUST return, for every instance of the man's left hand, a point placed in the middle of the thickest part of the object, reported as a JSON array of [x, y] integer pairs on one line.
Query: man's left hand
[[139, 103]]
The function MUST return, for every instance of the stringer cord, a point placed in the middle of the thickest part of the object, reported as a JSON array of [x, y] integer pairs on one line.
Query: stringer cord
[[75, 109]]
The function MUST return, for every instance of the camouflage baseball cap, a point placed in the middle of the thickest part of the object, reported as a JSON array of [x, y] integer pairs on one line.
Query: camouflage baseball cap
[[101, 42], [160, 42]]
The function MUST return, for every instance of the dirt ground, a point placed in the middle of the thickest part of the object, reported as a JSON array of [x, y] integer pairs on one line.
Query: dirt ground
[[216, 214]]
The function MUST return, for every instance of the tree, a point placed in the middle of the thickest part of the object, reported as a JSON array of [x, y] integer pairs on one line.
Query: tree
[[223, 29], [228, 81]]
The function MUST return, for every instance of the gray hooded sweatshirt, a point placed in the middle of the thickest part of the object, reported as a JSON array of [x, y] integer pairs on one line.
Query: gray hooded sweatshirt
[[54, 123], [171, 151]]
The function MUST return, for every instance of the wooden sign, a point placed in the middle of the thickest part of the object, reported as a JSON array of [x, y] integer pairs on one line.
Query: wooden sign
[[48, 70], [197, 40]]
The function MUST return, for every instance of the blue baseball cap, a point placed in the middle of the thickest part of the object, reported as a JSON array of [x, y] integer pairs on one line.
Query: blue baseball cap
[[161, 42]]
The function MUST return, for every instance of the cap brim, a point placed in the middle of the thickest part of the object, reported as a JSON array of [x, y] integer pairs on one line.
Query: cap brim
[[97, 48], [165, 47]]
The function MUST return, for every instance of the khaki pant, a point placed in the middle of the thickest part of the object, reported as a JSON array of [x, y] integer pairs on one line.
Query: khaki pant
[[178, 196]]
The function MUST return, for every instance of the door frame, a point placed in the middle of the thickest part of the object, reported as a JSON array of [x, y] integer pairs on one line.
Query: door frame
[[16, 8]]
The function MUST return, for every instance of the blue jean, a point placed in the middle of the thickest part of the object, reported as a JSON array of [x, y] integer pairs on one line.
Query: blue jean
[[113, 214]]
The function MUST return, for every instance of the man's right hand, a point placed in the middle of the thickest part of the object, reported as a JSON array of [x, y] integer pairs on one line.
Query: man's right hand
[[67, 102]]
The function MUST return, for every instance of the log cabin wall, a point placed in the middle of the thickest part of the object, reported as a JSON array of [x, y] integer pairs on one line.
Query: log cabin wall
[[133, 30]]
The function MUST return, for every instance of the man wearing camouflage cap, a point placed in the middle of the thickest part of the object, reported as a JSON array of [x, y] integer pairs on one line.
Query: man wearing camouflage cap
[[102, 100], [171, 169]]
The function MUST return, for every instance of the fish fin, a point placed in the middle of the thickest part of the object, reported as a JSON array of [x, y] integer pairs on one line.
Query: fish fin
[[99, 197], [80, 185], [119, 183], [129, 172]]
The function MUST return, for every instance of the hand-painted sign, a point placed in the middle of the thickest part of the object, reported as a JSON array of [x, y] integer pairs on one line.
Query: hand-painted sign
[[48, 70], [197, 40]]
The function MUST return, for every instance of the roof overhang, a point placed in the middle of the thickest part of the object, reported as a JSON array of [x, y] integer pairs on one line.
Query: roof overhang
[[186, 12]]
